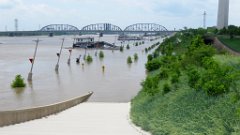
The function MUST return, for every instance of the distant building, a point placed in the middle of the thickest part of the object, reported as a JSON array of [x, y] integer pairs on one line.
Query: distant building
[[223, 12]]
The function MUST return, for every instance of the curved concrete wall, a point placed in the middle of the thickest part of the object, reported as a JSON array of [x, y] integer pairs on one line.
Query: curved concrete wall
[[23, 115]]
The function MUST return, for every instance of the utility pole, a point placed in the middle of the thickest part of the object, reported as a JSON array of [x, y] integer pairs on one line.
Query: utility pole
[[32, 60], [204, 19], [59, 55]]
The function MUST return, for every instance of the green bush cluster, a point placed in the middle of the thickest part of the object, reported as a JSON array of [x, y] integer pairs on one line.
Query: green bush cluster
[[181, 92], [151, 47], [135, 57], [136, 44], [129, 60], [18, 82], [128, 47], [101, 54], [150, 85], [153, 65], [121, 48], [89, 59]]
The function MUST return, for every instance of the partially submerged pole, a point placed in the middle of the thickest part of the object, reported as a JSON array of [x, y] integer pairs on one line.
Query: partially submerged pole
[[69, 58], [32, 60], [59, 55]]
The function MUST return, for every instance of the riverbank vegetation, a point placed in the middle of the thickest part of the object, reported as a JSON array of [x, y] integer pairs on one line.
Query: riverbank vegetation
[[190, 89]]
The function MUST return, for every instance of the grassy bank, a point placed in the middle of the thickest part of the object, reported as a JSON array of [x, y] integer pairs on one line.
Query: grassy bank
[[234, 43], [191, 90]]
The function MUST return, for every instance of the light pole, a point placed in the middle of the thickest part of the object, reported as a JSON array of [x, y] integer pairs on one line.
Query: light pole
[[69, 58], [32, 60], [59, 55]]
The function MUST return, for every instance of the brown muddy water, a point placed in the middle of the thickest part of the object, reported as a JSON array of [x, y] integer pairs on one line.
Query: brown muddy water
[[119, 82]]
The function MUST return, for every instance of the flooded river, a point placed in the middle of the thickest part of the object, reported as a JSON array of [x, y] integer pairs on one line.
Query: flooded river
[[119, 82]]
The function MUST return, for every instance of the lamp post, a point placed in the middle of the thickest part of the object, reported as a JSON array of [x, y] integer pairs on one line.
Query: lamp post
[[59, 55], [32, 60], [69, 58]]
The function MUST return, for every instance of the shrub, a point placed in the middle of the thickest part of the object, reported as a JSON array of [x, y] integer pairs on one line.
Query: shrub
[[218, 80], [135, 56], [149, 57], [129, 60], [156, 54], [153, 65], [166, 88], [128, 47], [175, 78], [146, 50], [121, 48], [89, 59], [101, 54], [193, 77], [164, 73], [18, 82], [136, 44], [150, 85]]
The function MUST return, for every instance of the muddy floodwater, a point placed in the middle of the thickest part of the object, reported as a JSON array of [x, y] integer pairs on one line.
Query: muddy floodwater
[[119, 82]]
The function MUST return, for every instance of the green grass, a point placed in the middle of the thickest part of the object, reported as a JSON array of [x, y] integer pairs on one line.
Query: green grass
[[184, 111], [230, 60], [234, 43]]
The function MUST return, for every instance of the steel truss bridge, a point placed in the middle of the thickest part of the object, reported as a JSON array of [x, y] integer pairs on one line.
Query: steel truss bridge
[[105, 28]]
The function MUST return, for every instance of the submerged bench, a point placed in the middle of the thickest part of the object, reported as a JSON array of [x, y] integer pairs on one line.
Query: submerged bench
[[18, 116]]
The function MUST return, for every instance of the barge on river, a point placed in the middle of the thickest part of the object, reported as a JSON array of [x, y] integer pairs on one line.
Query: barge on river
[[88, 43]]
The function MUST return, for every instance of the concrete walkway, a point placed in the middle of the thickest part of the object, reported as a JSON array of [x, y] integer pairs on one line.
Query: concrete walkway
[[84, 119]]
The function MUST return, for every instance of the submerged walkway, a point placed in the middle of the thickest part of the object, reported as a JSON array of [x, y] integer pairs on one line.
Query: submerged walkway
[[84, 119]]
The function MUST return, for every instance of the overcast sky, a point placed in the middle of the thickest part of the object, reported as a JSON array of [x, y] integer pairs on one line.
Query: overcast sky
[[33, 14]]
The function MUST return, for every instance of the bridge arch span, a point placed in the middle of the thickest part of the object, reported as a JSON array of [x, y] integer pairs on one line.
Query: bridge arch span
[[101, 27], [151, 27], [59, 27]]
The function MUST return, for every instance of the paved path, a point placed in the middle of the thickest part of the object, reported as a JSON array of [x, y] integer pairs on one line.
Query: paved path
[[84, 119]]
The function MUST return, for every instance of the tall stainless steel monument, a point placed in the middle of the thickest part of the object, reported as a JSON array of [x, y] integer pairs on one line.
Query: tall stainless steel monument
[[223, 11]]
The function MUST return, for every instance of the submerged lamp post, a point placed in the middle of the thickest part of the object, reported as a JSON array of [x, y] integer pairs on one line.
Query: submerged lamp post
[[32, 60], [59, 55]]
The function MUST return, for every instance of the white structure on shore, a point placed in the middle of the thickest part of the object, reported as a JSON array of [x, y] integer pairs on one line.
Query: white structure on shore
[[223, 11]]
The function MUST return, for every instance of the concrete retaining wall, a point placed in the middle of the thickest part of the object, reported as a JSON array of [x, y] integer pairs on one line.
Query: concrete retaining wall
[[23, 115], [219, 45]]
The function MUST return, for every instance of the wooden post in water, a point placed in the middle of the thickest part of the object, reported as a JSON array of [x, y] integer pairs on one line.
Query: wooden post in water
[[59, 55], [32, 60]]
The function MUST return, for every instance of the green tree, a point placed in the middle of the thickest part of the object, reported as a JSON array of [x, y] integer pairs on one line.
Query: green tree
[[101, 54], [121, 48], [18, 82], [129, 60], [135, 57], [89, 59], [128, 47], [232, 30]]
